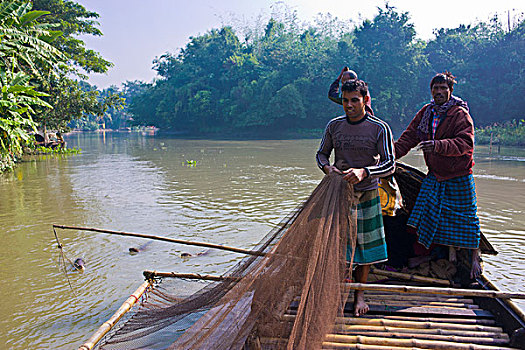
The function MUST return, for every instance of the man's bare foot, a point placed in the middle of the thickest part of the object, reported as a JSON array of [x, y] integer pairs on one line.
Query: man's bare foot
[[360, 307], [418, 260], [477, 268], [452, 254]]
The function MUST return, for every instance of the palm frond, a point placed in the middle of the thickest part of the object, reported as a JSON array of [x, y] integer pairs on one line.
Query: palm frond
[[32, 16], [8, 9]]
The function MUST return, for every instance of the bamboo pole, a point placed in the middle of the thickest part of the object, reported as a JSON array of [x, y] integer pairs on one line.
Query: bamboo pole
[[331, 345], [419, 343], [409, 277], [472, 339], [481, 321], [399, 301], [409, 324], [159, 238], [334, 341], [370, 300], [192, 276], [420, 297], [410, 303], [401, 332], [433, 290], [106, 326], [487, 284]]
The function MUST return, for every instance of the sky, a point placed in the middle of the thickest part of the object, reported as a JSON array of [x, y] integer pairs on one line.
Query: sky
[[137, 31]]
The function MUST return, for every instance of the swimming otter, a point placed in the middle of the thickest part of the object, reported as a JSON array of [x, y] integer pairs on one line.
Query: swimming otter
[[79, 264], [141, 248], [189, 255]]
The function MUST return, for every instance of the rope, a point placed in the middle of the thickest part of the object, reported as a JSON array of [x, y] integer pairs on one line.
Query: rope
[[62, 259]]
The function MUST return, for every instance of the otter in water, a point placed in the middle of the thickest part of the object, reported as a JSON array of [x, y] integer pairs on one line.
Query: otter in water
[[189, 255], [136, 250], [79, 264]]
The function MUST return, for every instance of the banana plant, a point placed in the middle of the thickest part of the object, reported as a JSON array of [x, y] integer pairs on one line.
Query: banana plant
[[24, 43], [25, 55], [17, 103]]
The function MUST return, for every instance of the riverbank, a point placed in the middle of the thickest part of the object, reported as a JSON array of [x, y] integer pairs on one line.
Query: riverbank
[[508, 134], [511, 133]]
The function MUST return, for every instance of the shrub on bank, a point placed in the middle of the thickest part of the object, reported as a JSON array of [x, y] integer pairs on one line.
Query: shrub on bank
[[511, 133], [7, 162], [56, 150]]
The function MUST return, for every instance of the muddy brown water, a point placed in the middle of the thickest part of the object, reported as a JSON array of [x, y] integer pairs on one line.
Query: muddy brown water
[[227, 192]]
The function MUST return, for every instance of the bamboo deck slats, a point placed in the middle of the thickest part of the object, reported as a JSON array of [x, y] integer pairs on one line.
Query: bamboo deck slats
[[409, 277], [340, 341], [415, 323], [482, 321], [384, 307], [438, 327], [419, 297], [398, 332], [450, 320], [391, 288], [400, 321]]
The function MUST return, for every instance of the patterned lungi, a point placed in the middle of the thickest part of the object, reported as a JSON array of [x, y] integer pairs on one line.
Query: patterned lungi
[[371, 243], [445, 212]]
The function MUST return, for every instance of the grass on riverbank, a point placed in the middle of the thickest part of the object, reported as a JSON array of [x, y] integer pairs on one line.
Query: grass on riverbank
[[8, 162], [49, 150], [511, 133]]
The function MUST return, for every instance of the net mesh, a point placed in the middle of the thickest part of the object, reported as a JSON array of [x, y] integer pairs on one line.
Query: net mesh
[[288, 298]]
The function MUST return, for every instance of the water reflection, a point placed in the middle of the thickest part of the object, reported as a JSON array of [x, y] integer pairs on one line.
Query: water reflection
[[229, 192]]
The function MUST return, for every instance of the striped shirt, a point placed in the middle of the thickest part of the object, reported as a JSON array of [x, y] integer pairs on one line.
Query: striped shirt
[[366, 144]]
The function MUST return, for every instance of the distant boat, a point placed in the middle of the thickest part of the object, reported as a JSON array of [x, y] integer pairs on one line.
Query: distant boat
[[54, 140]]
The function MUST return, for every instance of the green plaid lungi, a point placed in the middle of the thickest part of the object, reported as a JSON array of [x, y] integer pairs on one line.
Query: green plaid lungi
[[371, 243]]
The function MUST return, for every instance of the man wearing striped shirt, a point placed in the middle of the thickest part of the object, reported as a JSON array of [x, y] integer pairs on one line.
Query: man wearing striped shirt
[[364, 152]]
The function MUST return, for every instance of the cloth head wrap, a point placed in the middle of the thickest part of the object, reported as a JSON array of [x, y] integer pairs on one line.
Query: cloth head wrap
[[424, 125]]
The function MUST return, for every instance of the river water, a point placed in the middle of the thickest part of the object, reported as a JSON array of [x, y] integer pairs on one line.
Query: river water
[[227, 192]]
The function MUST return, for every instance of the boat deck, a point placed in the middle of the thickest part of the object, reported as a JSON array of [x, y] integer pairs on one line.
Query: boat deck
[[413, 321]]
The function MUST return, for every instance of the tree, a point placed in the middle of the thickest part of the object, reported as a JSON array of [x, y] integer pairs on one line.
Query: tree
[[489, 63], [25, 44], [73, 20], [66, 94], [92, 106], [286, 108], [275, 81], [390, 60], [24, 48]]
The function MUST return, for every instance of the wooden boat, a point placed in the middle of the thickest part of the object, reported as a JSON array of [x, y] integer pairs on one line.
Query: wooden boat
[[429, 321], [53, 140], [407, 311]]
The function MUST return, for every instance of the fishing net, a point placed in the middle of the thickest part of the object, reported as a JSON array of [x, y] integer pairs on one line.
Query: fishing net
[[287, 296]]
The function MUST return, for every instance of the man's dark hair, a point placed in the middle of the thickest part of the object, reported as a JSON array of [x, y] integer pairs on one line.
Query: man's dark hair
[[355, 85], [445, 77]]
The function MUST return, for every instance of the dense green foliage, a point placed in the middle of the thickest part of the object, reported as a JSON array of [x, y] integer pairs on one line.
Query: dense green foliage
[[25, 54], [274, 81], [103, 112], [114, 102], [72, 19], [68, 96], [510, 133], [39, 55]]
